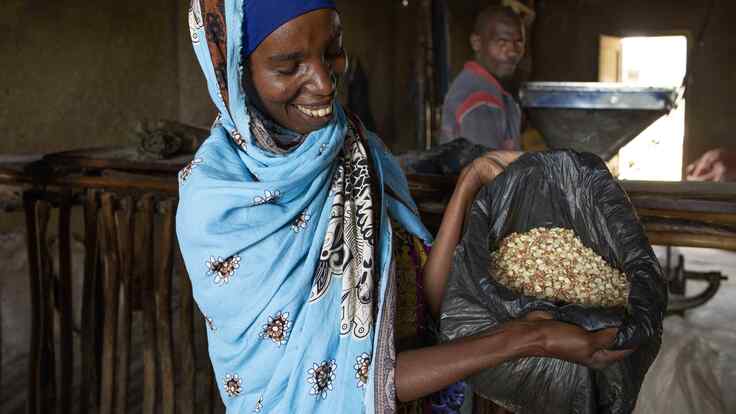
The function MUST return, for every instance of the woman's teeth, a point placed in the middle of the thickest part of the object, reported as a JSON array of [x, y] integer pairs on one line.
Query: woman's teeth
[[315, 113]]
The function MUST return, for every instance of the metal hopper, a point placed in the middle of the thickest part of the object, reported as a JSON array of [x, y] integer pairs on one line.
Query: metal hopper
[[593, 117]]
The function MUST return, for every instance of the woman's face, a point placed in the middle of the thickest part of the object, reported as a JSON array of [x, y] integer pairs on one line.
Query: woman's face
[[296, 68]]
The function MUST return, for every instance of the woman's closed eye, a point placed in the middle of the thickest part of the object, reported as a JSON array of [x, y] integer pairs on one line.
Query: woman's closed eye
[[288, 70], [286, 63]]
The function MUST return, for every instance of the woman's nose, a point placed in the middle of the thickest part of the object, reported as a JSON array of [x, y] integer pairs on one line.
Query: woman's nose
[[322, 80]]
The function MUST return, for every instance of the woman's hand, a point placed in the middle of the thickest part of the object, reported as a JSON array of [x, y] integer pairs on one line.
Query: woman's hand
[[571, 343], [422, 371]]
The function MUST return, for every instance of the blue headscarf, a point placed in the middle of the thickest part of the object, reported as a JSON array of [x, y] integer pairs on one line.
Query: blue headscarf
[[252, 226], [263, 17]]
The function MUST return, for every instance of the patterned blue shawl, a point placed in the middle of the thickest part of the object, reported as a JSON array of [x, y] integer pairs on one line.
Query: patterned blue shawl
[[289, 254]]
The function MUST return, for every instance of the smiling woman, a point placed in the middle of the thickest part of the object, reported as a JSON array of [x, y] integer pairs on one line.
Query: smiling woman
[[295, 71], [292, 221]]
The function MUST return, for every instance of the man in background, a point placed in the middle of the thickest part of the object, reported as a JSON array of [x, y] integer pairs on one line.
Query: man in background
[[477, 106]]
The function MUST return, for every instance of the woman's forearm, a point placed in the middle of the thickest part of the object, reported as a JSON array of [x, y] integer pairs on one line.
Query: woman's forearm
[[423, 371], [439, 262]]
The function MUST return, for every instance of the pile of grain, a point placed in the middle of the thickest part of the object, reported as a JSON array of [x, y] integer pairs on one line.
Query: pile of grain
[[554, 264]]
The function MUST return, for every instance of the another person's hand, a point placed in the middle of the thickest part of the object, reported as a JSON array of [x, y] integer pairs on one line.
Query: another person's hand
[[487, 167], [571, 343], [714, 165], [473, 177]]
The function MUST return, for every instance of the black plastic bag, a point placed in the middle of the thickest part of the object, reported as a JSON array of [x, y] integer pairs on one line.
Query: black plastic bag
[[449, 158], [575, 191]]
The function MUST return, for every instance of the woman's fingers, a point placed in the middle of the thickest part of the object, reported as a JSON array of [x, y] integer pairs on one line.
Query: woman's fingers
[[538, 316], [572, 343], [605, 357], [486, 169], [602, 356], [604, 338], [506, 157]]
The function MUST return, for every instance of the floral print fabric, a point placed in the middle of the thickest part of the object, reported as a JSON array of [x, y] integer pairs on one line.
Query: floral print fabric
[[253, 225]]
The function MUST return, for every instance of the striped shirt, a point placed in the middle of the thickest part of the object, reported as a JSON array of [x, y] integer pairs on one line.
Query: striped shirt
[[478, 109]]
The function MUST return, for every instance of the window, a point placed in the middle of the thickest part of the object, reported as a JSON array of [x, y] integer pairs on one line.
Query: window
[[656, 154]]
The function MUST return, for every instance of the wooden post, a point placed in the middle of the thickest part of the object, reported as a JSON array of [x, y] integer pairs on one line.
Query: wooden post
[[163, 295], [89, 388], [125, 231], [110, 286], [184, 346], [47, 367], [65, 303], [149, 307], [33, 399]]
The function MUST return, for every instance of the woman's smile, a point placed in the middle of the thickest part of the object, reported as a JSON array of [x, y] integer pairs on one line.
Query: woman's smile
[[316, 112]]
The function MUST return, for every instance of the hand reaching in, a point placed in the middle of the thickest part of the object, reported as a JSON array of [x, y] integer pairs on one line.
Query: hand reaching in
[[487, 167], [714, 165]]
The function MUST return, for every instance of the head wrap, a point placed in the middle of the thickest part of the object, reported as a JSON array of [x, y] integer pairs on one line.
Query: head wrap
[[263, 17], [284, 257]]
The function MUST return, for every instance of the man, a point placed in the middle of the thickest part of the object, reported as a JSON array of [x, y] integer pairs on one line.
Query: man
[[477, 106]]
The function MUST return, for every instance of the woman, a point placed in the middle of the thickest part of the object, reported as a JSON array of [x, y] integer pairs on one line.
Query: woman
[[287, 219]]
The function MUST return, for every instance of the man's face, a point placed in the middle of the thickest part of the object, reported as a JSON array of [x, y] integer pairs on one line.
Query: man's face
[[500, 48]]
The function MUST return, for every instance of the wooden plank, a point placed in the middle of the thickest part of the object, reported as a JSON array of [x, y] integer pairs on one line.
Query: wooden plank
[[683, 204], [437, 185], [692, 240], [688, 189], [121, 158], [167, 185], [48, 352], [184, 345], [33, 399], [163, 290], [65, 304], [203, 365], [714, 218], [484, 406], [110, 287], [125, 232], [216, 403], [684, 226], [89, 385], [149, 308]]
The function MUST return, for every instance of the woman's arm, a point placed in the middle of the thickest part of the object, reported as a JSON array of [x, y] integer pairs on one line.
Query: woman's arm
[[424, 371], [480, 172]]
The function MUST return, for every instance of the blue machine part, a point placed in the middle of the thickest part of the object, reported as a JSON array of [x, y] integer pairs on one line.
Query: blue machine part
[[591, 95], [593, 117]]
